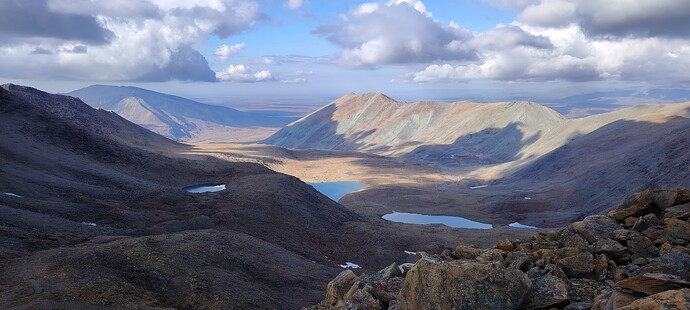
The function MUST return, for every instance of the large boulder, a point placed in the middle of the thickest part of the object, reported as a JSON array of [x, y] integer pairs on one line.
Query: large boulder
[[653, 283], [549, 288], [595, 227], [668, 300], [649, 201], [338, 287], [434, 284], [578, 266]]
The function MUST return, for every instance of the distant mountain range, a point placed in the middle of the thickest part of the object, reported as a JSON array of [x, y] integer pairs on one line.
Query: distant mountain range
[[515, 146], [180, 118]]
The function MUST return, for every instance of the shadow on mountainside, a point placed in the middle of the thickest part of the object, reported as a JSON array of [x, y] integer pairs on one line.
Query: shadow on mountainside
[[589, 175], [489, 146], [321, 135]]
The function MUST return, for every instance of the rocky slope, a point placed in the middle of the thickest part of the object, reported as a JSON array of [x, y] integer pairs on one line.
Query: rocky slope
[[92, 214], [180, 118], [637, 256]]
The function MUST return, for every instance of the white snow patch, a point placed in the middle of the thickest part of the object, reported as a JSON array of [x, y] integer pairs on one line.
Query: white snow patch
[[13, 195], [89, 223], [478, 186], [528, 198], [518, 225], [349, 265], [410, 252]]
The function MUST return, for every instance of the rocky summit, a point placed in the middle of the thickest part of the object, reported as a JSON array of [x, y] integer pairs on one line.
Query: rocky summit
[[637, 256]]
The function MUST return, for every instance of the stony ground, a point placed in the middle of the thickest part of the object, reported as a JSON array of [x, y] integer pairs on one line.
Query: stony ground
[[635, 257]]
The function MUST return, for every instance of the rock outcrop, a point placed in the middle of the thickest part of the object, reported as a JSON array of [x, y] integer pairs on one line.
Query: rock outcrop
[[635, 257]]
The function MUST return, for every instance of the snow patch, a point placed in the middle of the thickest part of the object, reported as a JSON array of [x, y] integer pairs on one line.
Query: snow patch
[[518, 225], [478, 186], [13, 195], [410, 252], [528, 198], [349, 265], [89, 223]]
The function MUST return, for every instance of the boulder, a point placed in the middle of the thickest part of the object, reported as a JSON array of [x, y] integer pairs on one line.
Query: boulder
[[570, 238], [361, 300], [467, 252], [505, 245], [674, 263], [608, 246], [338, 287], [595, 227], [653, 283], [462, 284], [669, 300], [385, 291], [578, 266], [381, 275], [548, 289], [647, 202], [620, 298], [681, 212], [678, 231]]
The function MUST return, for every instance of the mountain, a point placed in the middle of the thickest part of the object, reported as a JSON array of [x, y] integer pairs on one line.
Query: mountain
[[180, 118], [94, 215], [518, 149], [485, 133], [375, 123]]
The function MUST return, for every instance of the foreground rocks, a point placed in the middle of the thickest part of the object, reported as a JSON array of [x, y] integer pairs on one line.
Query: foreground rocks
[[635, 257]]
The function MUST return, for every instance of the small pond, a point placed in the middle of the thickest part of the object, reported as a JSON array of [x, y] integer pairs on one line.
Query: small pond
[[452, 221], [205, 188], [336, 190]]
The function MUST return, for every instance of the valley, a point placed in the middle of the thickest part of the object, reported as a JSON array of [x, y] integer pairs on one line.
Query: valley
[[96, 208]]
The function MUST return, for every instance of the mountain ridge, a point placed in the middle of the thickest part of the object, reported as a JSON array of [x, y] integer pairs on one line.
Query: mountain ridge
[[180, 118]]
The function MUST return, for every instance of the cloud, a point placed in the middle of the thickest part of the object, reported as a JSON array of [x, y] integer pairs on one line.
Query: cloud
[[242, 73], [267, 61], [34, 19], [394, 32], [123, 40], [294, 4], [623, 18], [573, 56], [186, 64], [77, 49], [225, 51], [41, 51]]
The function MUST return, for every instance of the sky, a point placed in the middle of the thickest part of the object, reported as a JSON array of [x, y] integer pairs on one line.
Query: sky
[[295, 51]]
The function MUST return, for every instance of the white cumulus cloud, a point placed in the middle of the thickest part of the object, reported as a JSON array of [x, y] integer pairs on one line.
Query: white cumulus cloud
[[242, 73], [118, 40], [226, 51]]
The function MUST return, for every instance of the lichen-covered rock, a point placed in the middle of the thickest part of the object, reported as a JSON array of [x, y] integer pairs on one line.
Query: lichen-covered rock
[[653, 283], [608, 246], [462, 284], [595, 227], [505, 245], [578, 266], [681, 212], [548, 288], [463, 251], [649, 201], [668, 300], [675, 263], [338, 287], [678, 231]]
